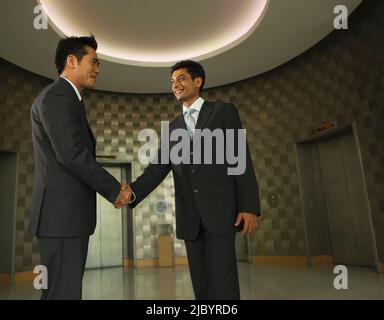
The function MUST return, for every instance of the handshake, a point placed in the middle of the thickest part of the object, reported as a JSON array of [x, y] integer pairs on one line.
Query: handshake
[[124, 196]]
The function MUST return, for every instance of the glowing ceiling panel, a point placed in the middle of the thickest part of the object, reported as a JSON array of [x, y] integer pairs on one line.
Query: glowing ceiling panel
[[157, 32]]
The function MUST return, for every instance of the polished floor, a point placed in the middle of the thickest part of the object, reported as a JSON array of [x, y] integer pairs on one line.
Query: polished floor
[[256, 282]]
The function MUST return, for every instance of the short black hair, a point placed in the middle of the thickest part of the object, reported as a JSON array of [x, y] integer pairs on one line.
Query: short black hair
[[75, 46], [194, 68]]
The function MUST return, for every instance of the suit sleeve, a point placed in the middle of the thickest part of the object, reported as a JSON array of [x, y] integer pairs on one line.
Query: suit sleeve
[[151, 177], [248, 199], [58, 117]]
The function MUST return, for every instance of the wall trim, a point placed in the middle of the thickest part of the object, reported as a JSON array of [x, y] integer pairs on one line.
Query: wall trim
[[25, 276], [4, 278], [322, 260], [180, 261], [177, 261], [140, 263], [128, 263], [300, 261]]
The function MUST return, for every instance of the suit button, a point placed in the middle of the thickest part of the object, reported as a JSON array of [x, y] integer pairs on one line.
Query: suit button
[[196, 191], [193, 170]]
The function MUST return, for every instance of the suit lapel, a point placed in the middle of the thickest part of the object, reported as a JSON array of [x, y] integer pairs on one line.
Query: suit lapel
[[180, 123], [86, 121], [67, 88], [90, 131], [204, 114]]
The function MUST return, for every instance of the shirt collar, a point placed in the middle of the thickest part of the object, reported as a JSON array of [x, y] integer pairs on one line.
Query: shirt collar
[[197, 105], [74, 87]]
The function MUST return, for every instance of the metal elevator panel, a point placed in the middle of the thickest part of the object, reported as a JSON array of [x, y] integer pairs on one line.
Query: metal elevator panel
[[106, 244], [241, 244], [348, 212], [8, 199]]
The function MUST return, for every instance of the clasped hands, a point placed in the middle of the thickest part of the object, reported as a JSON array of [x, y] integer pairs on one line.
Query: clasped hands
[[124, 196]]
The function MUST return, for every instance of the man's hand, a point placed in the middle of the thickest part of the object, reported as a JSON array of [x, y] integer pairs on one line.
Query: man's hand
[[250, 222], [124, 196]]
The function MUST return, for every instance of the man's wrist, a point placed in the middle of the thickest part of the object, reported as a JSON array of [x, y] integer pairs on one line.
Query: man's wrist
[[132, 196]]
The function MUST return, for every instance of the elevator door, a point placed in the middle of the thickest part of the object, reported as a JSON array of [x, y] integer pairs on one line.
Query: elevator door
[[106, 244], [346, 203], [241, 244], [8, 185]]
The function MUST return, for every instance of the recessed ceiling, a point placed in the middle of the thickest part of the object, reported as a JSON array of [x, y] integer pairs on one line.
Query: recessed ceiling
[[139, 39], [157, 33]]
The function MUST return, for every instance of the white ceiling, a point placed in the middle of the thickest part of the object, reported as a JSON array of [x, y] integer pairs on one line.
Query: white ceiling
[[140, 39], [154, 33]]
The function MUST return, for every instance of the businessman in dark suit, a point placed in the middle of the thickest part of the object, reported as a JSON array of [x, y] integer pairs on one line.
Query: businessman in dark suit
[[211, 205], [67, 175]]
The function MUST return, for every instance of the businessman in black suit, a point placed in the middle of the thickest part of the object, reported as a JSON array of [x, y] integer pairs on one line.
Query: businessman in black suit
[[211, 205], [67, 175]]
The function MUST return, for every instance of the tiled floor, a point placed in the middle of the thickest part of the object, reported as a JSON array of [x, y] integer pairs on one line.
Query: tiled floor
[[257, 282]]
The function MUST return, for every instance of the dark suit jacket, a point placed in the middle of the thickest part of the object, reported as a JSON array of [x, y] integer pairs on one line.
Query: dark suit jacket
[[204, 191], [66, 172]]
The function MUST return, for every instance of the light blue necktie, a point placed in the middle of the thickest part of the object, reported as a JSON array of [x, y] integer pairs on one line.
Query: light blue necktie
[[190, 121]]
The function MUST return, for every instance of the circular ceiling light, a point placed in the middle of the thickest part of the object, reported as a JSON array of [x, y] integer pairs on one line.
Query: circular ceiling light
[[157, 33]]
